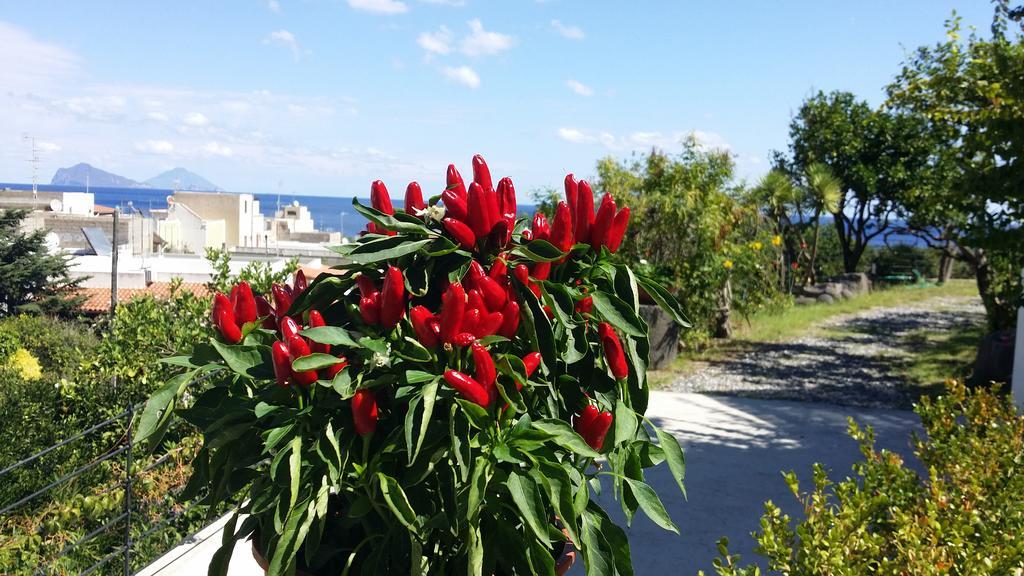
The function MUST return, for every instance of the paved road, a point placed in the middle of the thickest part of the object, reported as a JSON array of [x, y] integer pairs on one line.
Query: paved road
[[853, 362], [735, 448]]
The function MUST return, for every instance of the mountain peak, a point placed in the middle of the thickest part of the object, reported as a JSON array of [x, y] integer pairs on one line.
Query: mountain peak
[[83, 174], [181, 179]]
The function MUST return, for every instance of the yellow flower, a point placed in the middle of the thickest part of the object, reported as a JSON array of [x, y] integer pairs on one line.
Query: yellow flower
[[727, 264], [776, 240], [756, 245], [25, 364]]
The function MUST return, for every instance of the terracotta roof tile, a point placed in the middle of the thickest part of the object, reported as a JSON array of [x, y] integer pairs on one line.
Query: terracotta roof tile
[[97, 300]]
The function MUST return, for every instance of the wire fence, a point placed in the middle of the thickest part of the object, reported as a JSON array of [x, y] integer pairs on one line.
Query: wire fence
[[113, 546]]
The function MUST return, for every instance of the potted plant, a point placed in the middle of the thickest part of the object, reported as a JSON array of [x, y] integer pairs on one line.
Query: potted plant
[[446, 404]]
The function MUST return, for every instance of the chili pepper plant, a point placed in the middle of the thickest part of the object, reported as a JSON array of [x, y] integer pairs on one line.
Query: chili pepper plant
[[446, 403]]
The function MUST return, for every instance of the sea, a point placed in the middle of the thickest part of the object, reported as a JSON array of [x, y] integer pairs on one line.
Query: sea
[[330, 213]]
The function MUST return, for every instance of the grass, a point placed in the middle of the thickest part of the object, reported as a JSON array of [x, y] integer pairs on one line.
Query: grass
[[937, 351], [937, 356]]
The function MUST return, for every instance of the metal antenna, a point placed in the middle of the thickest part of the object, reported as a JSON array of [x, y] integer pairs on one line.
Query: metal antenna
[[34, 161]]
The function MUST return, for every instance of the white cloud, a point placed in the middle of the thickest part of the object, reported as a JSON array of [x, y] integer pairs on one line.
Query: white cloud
[[284, 38], [379, 6], [217, 149], [574, 135], [640, 140], [579, 88], [482, 42], [196, 119], [274, 6], [463, 75], [157, 117], [439, 42], [453, 3], [155, 147], [28, 63], [567, 31], [47, 147]]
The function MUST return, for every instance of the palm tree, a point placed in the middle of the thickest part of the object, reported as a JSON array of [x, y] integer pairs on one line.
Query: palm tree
[[824, 191]]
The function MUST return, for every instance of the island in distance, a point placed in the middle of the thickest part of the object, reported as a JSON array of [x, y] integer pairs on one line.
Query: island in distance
[[83, 174]]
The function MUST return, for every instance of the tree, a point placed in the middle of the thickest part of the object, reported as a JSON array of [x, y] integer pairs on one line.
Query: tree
[[31, 278], [823, 193], [971, 95], [876, 154]]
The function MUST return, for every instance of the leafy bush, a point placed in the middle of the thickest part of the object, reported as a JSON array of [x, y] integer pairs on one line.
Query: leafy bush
[[965, 517]]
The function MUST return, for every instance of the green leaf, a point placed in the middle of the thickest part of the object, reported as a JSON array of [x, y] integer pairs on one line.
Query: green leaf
[[399, 222], [625, 423], [559, 487], [396, 500], [477, 415], [332, 335], [651, 504], [429, 392], [539, 251], [412, 350], [418, 376], [386, 249], [674, 457], [563, 435], [597, 552], [251, 361], [664, 299], [159, 410], [531, 508], [342, 384], [295, 469], [314, 361], [618, 314]]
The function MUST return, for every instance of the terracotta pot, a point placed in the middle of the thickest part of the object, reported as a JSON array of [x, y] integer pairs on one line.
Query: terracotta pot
[[565, 561]]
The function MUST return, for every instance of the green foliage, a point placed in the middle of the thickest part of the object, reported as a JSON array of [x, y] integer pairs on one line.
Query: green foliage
[[32, 279], [688, 229], [442, 485], [260, 275], [970, 92], [964, 517]]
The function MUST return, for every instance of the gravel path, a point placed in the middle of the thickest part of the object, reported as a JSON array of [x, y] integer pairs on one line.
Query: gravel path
[[853, 365]]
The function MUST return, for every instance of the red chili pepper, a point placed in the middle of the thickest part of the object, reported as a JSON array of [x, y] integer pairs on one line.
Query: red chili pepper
[[392, 298], [369, 309], [468, 388], [463, 339], [571, 192], [527, 235], [479, 212], [331, 371], [223, 319], [585, 305], [282, 299], [380, 199], [507, 198], [475, 300], [510, 322], [584, 422], [364, 411], [584, 212], [421, 319], [599, 429], [463, 234], [473, 274], [541, 227], [481, 173], [367, 287], [453, 308], [522, 273], [499, 269], [501, 231], [413, 198], [470, 321], [233, 296], [494, 295], [298, 348], [316, 319], [618, 229], [603, 223], [541, 270], [485, 372], [245, 304], [489, 323], [289, 327], [455, 206], [300, 283], [613, 353], [455, 182], [265, 311], [531, 361], [561, 230], [282, 360]]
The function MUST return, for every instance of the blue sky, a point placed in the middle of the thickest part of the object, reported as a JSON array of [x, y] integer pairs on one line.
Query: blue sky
[[322, 97]]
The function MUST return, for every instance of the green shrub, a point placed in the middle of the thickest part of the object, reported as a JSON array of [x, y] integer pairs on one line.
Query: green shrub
[[965, 517]]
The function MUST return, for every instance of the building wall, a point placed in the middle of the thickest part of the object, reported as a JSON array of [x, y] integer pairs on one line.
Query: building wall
[[238, 211], [68, 228], [77, 203], [187, 231]]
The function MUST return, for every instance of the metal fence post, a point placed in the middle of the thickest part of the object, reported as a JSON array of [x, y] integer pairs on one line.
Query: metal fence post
[[128, 497]]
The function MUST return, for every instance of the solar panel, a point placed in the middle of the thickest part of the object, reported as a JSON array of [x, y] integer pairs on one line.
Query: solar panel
[[98, 241]]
